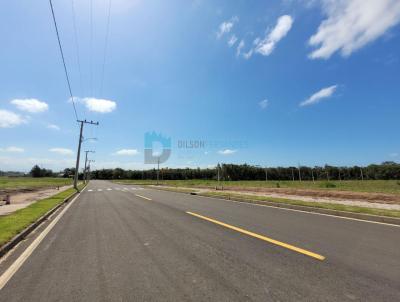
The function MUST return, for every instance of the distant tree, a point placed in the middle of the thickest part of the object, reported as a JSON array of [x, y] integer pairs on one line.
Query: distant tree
[[36, 171], [68, 172]]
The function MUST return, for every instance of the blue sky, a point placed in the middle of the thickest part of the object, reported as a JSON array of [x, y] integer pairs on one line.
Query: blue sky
[[267, 82]]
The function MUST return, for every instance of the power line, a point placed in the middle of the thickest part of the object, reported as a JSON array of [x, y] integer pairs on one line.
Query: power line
[[63, 60], [105, 47], [77, 45], [91, 48]]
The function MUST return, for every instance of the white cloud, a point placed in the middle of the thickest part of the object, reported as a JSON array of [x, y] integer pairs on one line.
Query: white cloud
[[248, 54], [227, 152], [239, 48], [97, 105], [10, 119], [395, 154], [25, 164], [267, 45], [263, 104], [30, 105], [128, 152], [12, 149], [351, 24], [226, 27], [53, 127], [62, 151], [318, 96], [232, 40]]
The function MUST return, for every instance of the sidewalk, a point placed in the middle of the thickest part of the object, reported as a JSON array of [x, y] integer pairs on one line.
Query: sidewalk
[[22, 200]]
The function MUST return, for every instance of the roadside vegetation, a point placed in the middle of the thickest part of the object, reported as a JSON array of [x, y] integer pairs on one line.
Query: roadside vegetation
[[12, 224], [371, 186], [321, 205], [26, 183]]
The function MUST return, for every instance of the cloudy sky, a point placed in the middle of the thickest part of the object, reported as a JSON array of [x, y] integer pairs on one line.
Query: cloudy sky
[[263, 82]]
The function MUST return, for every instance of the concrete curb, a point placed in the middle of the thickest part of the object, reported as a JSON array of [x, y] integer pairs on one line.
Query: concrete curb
[[19, 237]]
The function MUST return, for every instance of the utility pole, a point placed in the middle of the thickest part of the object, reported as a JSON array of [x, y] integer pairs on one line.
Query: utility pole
[[362, 175], [312, 175], [90, 161], [86, 160], [266, 174], [292, 175], [79, 150], [218, 175], [158, 170], [299, 173]]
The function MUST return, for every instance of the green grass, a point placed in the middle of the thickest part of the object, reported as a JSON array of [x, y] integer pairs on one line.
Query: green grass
[[330, 206], [13, 183], [371, 186], [12, 224]]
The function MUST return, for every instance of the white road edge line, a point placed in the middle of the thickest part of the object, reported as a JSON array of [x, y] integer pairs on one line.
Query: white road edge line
[[301, 211], [143, 197], [7, 275], [294, 210]]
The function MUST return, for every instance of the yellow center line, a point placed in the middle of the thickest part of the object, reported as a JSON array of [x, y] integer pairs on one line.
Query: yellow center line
[[261, 237], [144, 197]]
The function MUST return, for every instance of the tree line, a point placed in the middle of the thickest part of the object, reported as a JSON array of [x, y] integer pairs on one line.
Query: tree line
[[384, 171]]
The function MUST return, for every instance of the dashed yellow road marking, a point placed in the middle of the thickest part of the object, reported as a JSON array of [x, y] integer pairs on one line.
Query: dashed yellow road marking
[[261, 237]]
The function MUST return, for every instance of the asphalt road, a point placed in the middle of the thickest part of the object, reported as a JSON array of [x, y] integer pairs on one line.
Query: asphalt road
[[126, 243]]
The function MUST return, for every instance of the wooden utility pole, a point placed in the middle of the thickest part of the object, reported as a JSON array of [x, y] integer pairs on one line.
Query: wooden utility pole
[[86, 161], [158, 170], [299, 173], [218, 176], [78, 155]]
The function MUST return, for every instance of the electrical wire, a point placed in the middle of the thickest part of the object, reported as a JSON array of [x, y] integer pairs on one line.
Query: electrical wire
[[63, 59], [77, 46], [105, 47], [91, 48]]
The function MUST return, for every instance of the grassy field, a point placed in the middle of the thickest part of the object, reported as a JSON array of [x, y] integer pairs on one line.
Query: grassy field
[[377, 186], [322, 205], [15, 183], [12, 224]]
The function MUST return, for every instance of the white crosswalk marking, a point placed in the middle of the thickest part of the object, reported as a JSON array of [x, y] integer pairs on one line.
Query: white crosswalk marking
[[124, 189]]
